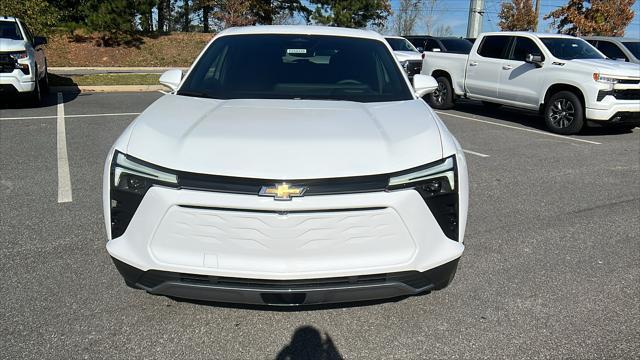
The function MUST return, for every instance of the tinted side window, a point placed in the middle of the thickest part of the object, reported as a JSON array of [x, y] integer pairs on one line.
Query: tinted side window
[[432, 44], [523, 47], [494, 47], [28, 32], [611, 50]]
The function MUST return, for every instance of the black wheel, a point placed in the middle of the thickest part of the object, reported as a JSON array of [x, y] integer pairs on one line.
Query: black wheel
[[563, 113], [442, 96], [44, 83], [36, 94], [491, 105]]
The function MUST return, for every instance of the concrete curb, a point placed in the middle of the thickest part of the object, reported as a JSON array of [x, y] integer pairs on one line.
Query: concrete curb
[[109, 88]]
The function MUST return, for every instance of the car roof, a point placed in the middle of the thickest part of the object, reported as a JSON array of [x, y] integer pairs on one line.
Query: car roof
[[8, 18], [536, 34], [394, 37], [302, 29], [610, 38]]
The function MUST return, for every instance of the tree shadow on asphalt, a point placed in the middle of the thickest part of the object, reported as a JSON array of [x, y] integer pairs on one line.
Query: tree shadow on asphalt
[[308, 344], [527, 118]]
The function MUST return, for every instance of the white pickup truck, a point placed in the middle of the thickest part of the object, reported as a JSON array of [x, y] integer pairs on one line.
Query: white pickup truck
[[564, 78]]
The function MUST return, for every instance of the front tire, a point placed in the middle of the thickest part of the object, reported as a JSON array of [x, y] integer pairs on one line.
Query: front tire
[[564, 114], [36, 94], [442, 97]]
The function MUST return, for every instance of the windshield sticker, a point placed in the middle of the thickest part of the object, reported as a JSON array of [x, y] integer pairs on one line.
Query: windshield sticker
[[296, 51]]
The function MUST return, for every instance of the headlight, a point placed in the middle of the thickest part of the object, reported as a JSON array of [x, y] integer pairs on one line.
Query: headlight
[[130, 180], [436, 183], [604, 78], [19, 55]]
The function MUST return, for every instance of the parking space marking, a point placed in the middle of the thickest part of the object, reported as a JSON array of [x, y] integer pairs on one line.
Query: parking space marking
[[475, 153], [69, 116], [64, 177], [519, 128]]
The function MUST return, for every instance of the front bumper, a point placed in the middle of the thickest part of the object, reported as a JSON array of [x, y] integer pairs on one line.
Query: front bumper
[[288, 293]]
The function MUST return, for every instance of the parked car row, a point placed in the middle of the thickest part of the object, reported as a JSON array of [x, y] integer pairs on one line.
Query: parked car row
[[23, 64]]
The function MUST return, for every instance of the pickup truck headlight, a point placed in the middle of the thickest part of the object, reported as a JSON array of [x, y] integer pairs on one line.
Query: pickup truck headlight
[[436, 183], [606, 79], [129, 181], [19, 55]]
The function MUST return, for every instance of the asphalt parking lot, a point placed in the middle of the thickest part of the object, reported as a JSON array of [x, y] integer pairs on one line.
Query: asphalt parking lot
[[551, 267]]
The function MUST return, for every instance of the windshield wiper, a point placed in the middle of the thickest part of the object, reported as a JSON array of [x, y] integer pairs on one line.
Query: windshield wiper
[[194, 93]]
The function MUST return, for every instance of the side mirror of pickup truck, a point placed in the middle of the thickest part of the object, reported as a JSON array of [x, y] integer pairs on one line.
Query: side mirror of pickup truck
[[534, 59], [424, 84], [39, 40], [171, 78]]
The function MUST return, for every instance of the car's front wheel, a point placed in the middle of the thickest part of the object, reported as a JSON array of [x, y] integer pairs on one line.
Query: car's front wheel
[[36, 94], [564, 113], [442, 96]]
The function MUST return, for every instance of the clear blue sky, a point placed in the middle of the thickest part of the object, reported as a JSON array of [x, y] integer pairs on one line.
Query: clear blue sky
[[455, 14]]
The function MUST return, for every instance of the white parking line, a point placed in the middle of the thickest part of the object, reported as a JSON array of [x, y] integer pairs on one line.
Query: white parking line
[[64, 177], [520, 128], [475, 153], [68, 116]]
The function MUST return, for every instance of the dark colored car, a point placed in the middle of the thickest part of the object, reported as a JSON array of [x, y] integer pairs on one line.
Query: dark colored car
[[429, 43]]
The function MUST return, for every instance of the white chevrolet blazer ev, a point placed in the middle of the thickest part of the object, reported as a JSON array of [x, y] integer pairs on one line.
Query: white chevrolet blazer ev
[[291, 165]]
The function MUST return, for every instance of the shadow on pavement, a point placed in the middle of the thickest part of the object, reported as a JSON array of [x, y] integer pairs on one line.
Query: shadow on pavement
[[308, 344], [22, 101], [528, 118]]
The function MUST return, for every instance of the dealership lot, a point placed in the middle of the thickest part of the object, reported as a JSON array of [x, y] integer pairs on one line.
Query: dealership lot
[[551, 268]]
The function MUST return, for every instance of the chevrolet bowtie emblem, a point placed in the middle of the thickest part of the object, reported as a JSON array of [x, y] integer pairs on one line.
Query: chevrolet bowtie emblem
[[282, 191]]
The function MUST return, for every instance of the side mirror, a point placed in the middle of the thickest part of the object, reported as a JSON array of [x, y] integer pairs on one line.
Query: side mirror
[[39, 40], [533, 59], [171, 78], [424, 84]]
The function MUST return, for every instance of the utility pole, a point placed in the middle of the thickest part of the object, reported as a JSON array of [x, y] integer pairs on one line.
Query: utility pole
[[474, 25], [535, 28]]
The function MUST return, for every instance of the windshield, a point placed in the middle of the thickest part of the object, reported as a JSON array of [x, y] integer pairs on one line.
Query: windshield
[[457, 46], [400, 44], [634, 47], [268, 66], [9, 30], [571, 48]]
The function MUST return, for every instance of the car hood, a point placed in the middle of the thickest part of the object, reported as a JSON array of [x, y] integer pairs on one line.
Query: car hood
[[285, 139], [7, 45], [407, 55], [610, 67]]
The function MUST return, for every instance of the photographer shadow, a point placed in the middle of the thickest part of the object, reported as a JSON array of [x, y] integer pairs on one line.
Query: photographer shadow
[[308, 344]]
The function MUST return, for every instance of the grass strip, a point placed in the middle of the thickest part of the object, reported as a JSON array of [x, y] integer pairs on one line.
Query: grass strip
[[104, 79]]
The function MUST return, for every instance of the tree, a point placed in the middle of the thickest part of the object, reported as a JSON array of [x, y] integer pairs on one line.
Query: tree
[[350, 13], [406, 16], [114, 19], [39, 15], [593, 17], [275, 11], [442, 30], [517, 15]]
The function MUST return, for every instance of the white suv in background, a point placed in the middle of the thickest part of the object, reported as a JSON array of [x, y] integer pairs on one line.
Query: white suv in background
[[23, 65], [564, 78]]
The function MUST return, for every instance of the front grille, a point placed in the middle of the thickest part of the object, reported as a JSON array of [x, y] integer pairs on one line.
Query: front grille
[[414, 279], [629, 81], [7, 63], [629, 94], [250, 186], [414, 67]]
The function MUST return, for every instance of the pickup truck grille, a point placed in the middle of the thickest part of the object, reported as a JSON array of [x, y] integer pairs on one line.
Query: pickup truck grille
[[414, 67], [7, 63], [630, 94]]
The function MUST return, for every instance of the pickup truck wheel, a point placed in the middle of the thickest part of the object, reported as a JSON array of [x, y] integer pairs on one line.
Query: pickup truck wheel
[[563, 113], [442, 96], [36, 95]]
